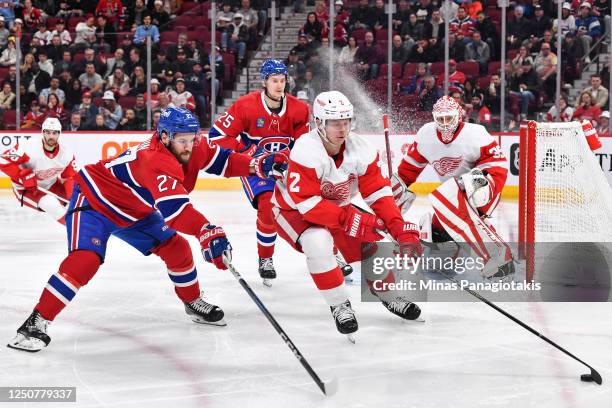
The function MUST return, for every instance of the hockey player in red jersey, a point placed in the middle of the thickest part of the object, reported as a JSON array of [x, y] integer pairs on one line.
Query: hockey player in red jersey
[[142, 198], [263, 121], [473, 171], [38, 165], [328, 167]]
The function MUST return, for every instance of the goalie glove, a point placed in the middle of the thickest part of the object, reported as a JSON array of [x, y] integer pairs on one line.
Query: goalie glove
[[402, 196], [476, 185]]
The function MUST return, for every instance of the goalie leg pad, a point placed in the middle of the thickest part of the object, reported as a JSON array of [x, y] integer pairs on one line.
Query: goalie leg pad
[[464, 224]]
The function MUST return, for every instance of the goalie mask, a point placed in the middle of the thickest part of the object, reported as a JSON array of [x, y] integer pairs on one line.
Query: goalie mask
[[330, 106], [447, 114]]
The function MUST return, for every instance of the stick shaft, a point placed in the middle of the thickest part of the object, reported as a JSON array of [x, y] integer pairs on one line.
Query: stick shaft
[[387, 144]]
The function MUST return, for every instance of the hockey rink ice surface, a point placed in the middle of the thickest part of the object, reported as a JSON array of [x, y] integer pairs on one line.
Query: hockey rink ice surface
[[125, 341]]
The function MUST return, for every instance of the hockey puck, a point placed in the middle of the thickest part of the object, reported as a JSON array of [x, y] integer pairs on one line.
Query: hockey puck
[[586, 378]]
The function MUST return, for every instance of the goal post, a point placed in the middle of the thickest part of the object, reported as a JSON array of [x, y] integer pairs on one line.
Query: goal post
[[564, 195]]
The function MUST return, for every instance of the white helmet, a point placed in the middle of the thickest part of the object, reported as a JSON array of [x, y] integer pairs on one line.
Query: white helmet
[[447, 114], [52, 124], [331, 105]]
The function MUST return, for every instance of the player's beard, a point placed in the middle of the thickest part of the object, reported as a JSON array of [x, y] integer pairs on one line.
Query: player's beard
[[184, 157], [49, 143]]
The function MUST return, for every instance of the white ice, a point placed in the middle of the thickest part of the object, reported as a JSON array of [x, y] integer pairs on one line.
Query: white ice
[[125, 340]]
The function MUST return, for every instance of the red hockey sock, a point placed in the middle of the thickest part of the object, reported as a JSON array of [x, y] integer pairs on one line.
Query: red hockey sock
[[331, 286], [75, 271], [266, 229], [176, 253]]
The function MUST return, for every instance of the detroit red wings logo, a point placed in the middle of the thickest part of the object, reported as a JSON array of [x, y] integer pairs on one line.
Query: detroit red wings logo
[[447, 165], [339, 192], [48, 173]]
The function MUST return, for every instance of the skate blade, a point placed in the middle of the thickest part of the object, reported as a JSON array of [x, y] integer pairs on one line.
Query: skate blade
[[21, 342], [350, 337], [348, 279], [267, 283], [221, 322]]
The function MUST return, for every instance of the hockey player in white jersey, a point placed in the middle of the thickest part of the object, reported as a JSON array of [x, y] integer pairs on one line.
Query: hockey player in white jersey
[[473, 171], [41, 171], [328, 167]]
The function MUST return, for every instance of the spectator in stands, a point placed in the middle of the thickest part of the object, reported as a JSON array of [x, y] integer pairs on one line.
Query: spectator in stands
[[361, 17], [488, 32], [99, 123], [87, 110], [36, 79], [295, 68], [85, 33], [568, 21], [250, 18], [546, 39], [114, 62], [197, 84], [56, 49], [469, 90], [455, 78], [524, 89], [112, 10], [34, 118], [517, 61], [310, 85], [586, 109], [91, 80], [604, 123], [517, 28], [601, 9], [539, 23], [433, 29], [140, 109], [163, 101], [545, 66], [136, 14], [180, 97], [133, 61], [477, 112], [401, 15], [44, 63], [73, 90], [182, 64], [160, 17], [312, 27], [320, 11], [566, 111], [347, 54], [599, 94], [423, 52], [138, 81], [415, 83], [7, 98], [425, 5], [9, 55], [588, 28], [43, 35], [146, 30], [181, 43], [478, 51], [572, 53], [106, 38], [54, 89], [32, 16], [17, 29], [429, 94], [111, 110], [118, 83], [462, 26], [225, 17], [399, 53], [236, 37], [155, 90], [155, 119], [55, 109], [456, 46], [341, 14], [4, 33], [129, 122], [28, 61], [64, 64], [367, 58], [340, 35], [66, 11], [378, 17], [412, 30], [75, 123], [448, 10]]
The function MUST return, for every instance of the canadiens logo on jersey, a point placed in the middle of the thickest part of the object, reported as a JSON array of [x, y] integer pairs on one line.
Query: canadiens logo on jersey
[[338, 192], [275, 143], [447, 165], [261, 122]]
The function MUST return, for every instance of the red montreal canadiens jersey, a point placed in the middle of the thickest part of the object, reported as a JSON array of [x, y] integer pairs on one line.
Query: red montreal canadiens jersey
[[472, 147], [250, 119], [318, 186], [148, 177]]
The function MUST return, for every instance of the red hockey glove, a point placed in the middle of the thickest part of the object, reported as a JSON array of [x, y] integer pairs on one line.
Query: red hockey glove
[[361, 225], [213, 243], [27, 179], [271, 165], [408, 239]]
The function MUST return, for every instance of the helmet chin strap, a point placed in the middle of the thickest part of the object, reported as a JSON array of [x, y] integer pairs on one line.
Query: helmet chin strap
[[270, 96]]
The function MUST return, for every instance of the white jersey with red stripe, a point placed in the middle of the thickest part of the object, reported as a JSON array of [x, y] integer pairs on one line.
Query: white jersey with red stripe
[[49, 167], [318, 185], [472, 146]]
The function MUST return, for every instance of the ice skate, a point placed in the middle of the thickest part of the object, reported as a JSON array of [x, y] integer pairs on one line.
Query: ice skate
[[403, 308], [203, 312], [32, 335], [267, 271], [344, 316]]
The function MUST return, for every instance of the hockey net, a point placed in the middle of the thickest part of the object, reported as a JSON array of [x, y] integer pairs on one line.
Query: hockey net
[[564, 195]]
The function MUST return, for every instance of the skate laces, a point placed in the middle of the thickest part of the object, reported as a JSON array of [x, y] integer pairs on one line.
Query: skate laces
[[399, 305], [266, 264], [340, 260], [202, 306], [39, 323], [343, 313]]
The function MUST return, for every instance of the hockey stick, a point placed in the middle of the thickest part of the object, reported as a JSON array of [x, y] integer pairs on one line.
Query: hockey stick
[[62, 199], [385, 118], [328, 388]]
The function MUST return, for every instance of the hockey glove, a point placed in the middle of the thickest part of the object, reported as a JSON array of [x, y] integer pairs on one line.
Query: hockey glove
[[360, 225], [402, 196], [408, 239], [270, 165], [213, 242], [27, 179]]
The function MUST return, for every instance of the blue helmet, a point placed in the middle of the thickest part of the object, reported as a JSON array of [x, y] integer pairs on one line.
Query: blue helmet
[[272, 67], [177, 120]]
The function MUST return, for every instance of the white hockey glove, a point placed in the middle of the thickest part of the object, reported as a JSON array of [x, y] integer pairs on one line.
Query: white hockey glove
[[402, 196], [475, 183]]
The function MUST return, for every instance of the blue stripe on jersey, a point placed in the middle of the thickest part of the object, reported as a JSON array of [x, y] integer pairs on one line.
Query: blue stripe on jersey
[[220, 162], [266, 240], [61, 287], [120, 171], [168, 208], [214, 133], [85, 177], [184, 278]]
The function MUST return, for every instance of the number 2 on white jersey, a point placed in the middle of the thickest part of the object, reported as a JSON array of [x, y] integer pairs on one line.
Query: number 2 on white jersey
[[295, 179]]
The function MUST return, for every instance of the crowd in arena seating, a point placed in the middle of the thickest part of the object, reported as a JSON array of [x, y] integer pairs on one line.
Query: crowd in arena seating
[[360, 34], [84, 61]]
